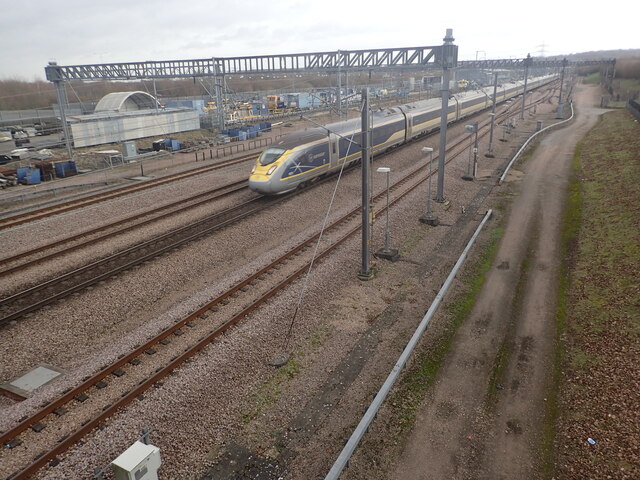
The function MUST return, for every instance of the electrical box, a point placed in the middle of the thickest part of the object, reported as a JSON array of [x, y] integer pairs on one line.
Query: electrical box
[[138, 462], [129, 149]]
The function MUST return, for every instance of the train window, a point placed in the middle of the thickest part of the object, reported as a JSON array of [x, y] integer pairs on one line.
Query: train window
[[270, 155]]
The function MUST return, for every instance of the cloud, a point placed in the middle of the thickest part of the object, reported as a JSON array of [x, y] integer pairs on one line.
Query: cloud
[[82, 32]]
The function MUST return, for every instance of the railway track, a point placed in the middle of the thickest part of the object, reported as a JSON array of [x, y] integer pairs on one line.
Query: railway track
[[32, 299], [147, 365], [64, 207], [104, 232]]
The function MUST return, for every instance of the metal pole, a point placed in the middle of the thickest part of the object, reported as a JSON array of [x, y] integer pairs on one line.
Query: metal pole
[[155, 94], [527, 62], [449, 53], [475, 152], [471, 128], [429, 218], [560, 113], [62, 103], [429, 213], [339, 95], [365, 272], [219, 102], [489, 154], [386, 233]]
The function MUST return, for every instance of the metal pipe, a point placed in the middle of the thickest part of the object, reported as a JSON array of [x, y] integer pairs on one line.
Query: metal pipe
[[506, 170]]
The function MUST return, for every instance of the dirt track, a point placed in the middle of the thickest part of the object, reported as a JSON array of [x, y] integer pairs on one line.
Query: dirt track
[[484, 416]]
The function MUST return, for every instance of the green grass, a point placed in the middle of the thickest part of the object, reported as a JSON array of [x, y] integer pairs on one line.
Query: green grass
[[269, 392], [571, 223], [597, 298], [592, 78]]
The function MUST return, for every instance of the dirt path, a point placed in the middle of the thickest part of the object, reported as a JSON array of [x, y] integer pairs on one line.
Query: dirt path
[[484, 416]]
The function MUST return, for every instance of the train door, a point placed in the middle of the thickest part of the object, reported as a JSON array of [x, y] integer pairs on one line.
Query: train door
[[334, 151], [408, 124], [456, 114]]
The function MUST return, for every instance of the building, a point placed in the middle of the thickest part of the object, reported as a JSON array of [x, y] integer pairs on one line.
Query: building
[[122, 116]]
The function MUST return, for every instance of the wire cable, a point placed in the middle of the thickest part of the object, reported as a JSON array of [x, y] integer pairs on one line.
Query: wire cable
[[317, 246]]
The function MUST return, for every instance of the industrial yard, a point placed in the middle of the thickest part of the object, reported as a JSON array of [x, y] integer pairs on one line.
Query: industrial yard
[[150, 294]]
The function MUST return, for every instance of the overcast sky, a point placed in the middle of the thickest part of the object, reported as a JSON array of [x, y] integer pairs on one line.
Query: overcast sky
[[76, 32]]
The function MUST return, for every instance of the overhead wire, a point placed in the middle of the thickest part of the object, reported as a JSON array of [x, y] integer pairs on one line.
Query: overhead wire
[[317, 245]]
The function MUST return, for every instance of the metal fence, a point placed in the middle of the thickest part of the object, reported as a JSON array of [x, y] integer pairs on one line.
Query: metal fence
[[634, 107], [22, 117], [226, 150]]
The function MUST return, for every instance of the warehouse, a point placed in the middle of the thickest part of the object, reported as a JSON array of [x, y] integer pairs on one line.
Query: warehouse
[[122, 116]]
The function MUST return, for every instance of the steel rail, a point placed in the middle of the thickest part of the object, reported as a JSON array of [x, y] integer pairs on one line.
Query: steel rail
[[127, 397], [205, 198], [38, 214], [33, 306], [246, 208]]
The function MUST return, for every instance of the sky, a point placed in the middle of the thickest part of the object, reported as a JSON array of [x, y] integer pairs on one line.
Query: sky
[[79, 32]]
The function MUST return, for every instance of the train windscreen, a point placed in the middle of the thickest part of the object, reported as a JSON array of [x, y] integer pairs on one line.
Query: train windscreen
[[270, 155]]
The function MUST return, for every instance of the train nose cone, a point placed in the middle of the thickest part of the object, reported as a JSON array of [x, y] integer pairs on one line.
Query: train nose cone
[[260, 186]]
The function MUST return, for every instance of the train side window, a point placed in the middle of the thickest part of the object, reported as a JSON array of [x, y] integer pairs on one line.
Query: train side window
[[333, 147]]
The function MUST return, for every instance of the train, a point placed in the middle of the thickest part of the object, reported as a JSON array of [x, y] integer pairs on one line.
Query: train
[[302, 157]]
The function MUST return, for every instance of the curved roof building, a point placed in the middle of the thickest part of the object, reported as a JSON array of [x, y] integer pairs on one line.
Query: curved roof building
[[126, 102], [123, 116]]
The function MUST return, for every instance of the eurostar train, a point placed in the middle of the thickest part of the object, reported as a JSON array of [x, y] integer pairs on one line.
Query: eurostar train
[[302, 157]]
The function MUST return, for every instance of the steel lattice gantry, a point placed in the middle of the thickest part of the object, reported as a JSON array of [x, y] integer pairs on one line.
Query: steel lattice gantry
[[345, 60], [341, 60], [531, 61], [435, 57]]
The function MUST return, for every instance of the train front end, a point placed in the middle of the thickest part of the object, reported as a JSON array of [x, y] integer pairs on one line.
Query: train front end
[[266, 174]]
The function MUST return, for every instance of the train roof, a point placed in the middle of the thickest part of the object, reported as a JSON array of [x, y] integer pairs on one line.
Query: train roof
[[300, 137]]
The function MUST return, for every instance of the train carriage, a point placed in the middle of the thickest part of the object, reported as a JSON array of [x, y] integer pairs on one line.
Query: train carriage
[[302, 157]]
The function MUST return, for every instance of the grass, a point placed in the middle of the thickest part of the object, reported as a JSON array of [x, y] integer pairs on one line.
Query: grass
[[571, 223], [269, 392], [593, 78], [596, 315], [422, 372]]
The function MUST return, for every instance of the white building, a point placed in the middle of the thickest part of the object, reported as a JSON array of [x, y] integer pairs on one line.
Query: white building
[[122, 116]]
